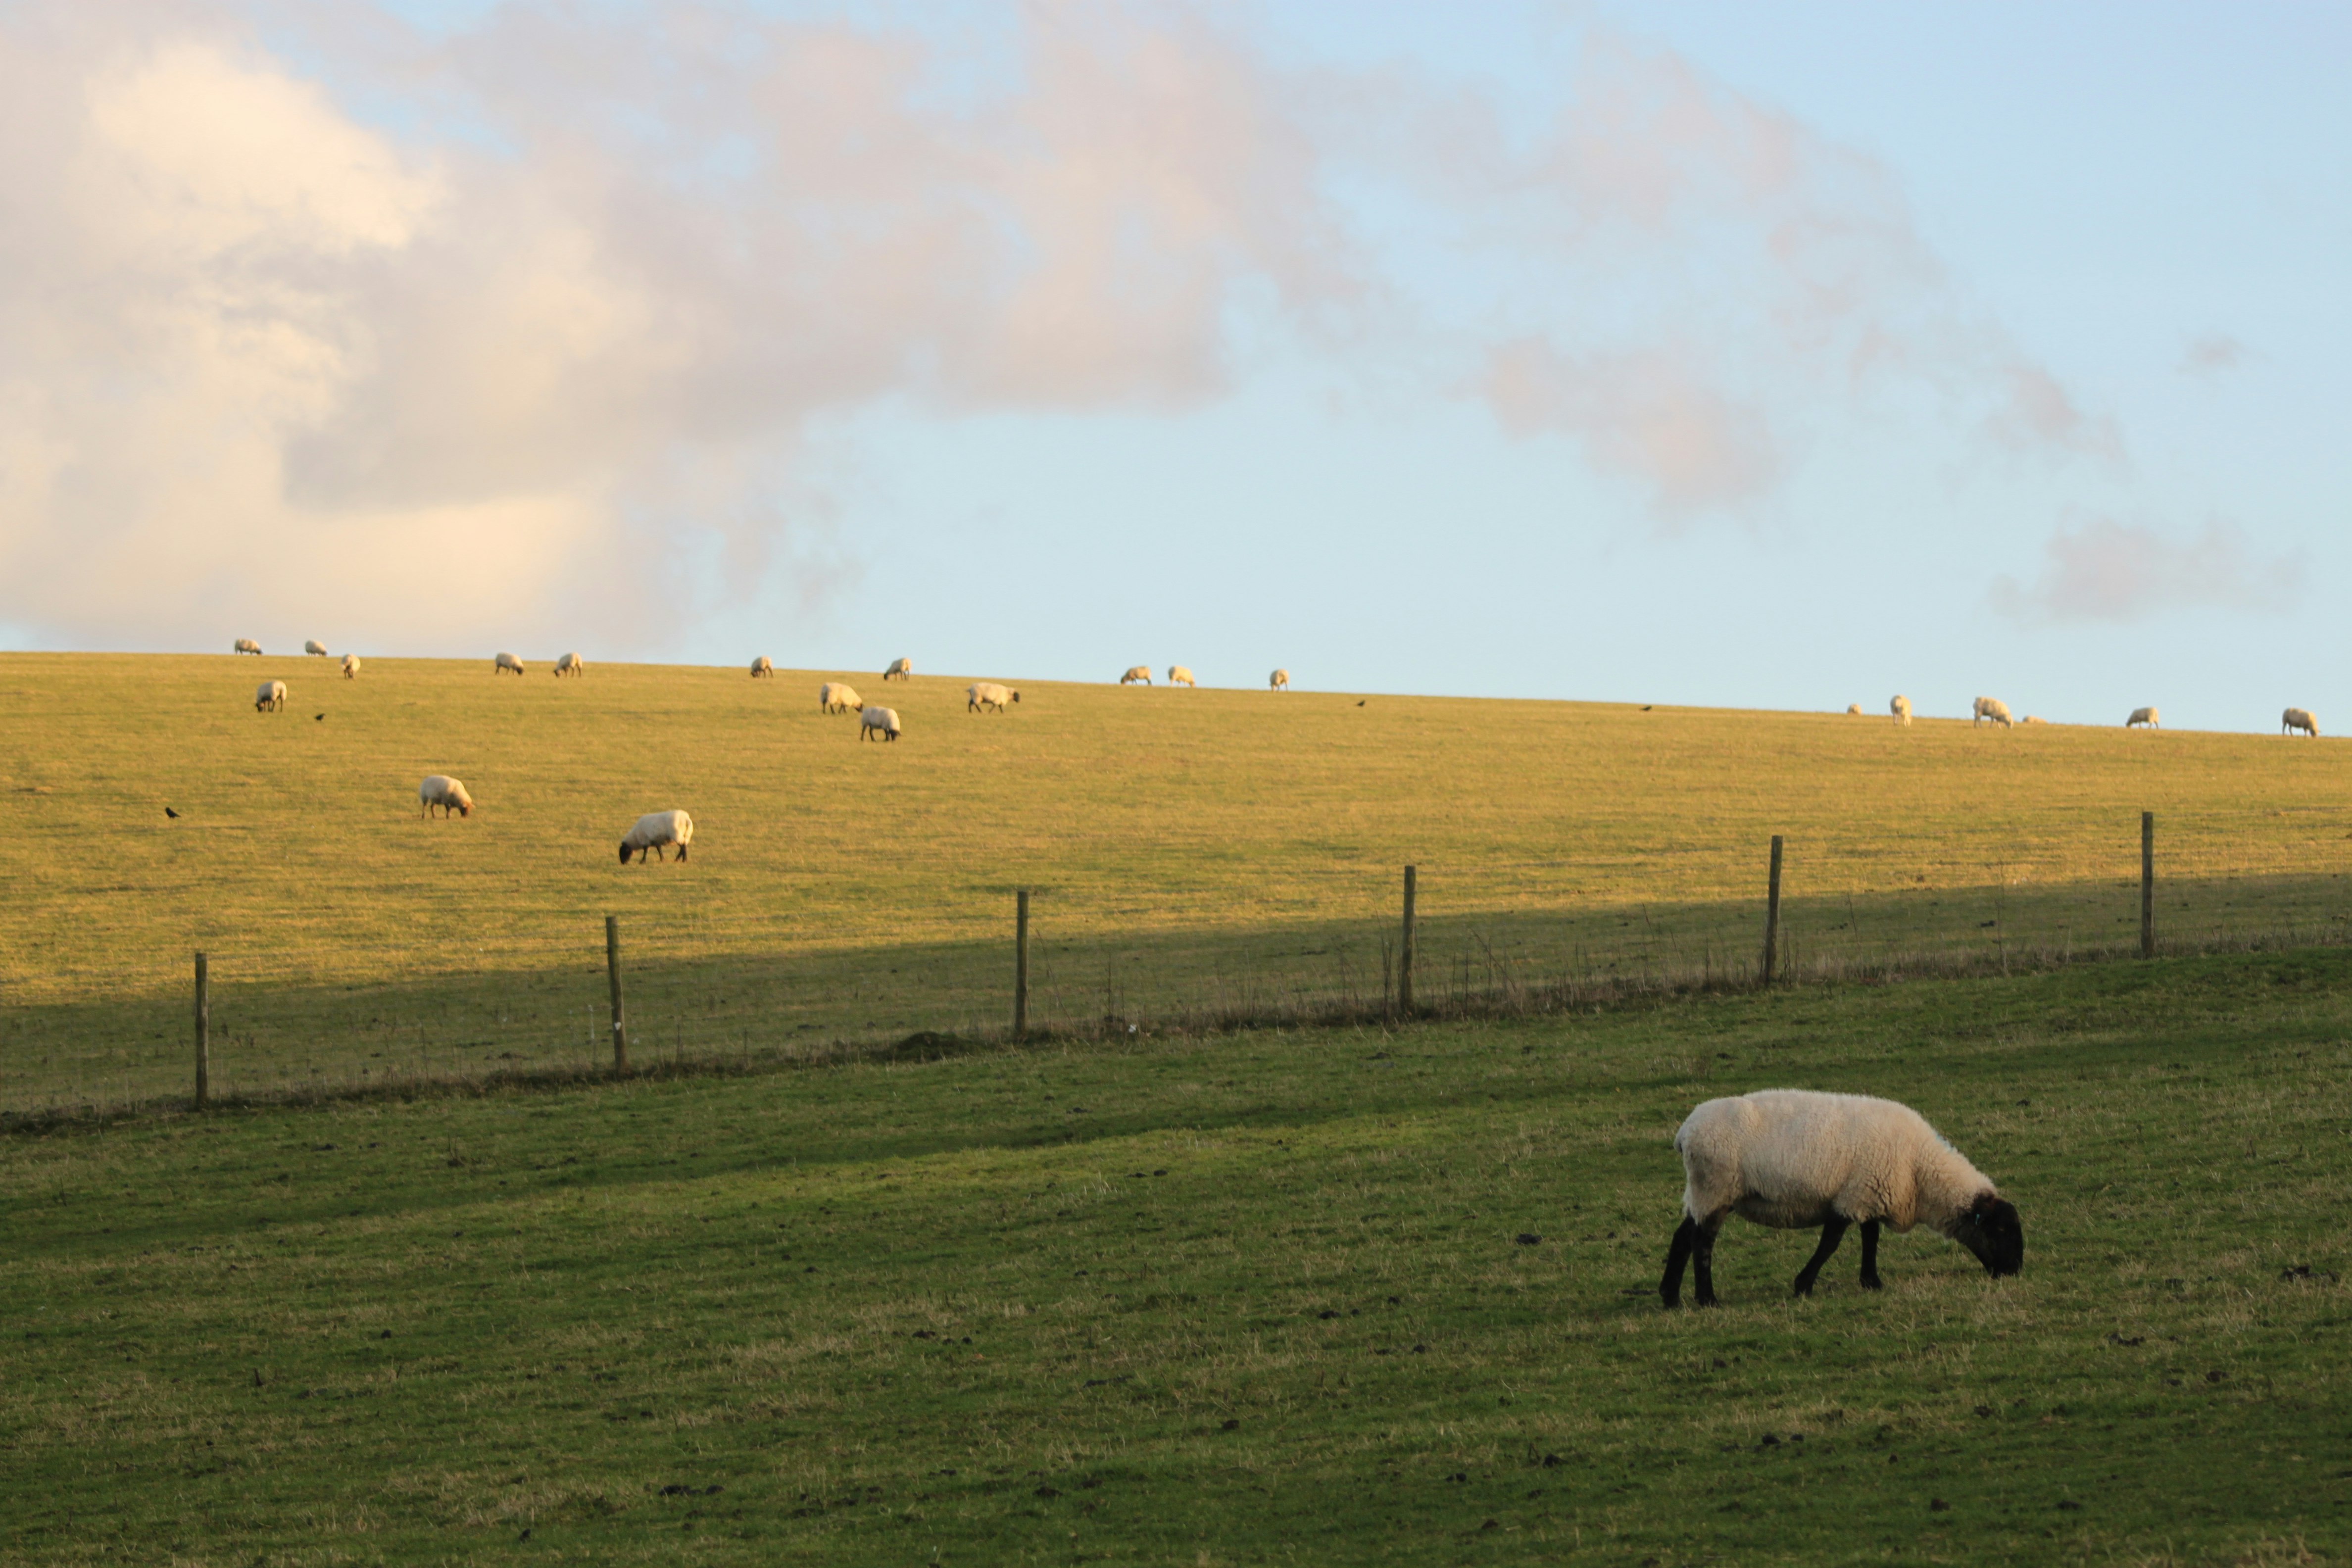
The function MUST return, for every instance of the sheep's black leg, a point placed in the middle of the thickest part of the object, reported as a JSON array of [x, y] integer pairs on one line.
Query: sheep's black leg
[[1670, 1288], [1702, 1260], [1833, 1232], [1870, 1280]]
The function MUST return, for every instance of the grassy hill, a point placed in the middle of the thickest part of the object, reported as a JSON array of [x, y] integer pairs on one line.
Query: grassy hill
[[1191, 849], [1229, 1299]]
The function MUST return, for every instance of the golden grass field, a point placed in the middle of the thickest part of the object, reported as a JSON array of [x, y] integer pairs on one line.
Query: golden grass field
[[1191, 849]]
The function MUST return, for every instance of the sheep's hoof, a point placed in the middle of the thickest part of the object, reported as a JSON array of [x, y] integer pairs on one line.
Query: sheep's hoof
[[1872, 1282]]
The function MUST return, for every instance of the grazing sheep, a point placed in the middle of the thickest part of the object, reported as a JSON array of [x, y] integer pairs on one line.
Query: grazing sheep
[[245, 645], [760, 667], [983, 695], [837, 697], [2146, 716], [1901, 708], [1793, 1159], [351, 665], [1140, 673], [571, 663], [655, 829], [315, 646], [1279, 680], [1991, 708], [447, 793], [1179, 676], [2299, 719], [2033, 718], [900, 669], [269, 696], [1853, 709], [881, 722], [506, 661]]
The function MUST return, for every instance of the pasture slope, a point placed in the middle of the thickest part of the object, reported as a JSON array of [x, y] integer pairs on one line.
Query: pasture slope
[[1243, 1299], [1193, 849]]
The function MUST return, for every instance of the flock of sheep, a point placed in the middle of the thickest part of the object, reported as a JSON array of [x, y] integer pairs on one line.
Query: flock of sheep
[[1790, 1159], [1993, 710], [656, 831]]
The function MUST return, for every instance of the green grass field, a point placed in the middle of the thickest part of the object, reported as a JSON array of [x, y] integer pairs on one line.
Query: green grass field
[[1243, 1299], [1194, 853]]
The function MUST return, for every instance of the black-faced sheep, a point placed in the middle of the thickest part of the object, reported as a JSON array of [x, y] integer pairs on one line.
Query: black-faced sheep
[[1990, 710], [1901, 708], [2299, 719], [245, 645], [1793, 1159], [571, 663], [877, 723], [315, 646], [1179, 675], [269, 696], [655, 829], [350, 666], [504, 663], [900, 669], [1141, 674], [838, 697], [447, 793], [2146, 716], [761, 669], [983, 695], [1279, 680]]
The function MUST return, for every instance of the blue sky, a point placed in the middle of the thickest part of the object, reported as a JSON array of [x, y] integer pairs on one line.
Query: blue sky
[[1753, 355]]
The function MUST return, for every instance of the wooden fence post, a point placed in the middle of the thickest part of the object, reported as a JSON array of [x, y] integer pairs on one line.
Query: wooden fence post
[[2148, 884], [204, 1031], [1404, 951], [613, 971], [1772, 920], [1021, 964]]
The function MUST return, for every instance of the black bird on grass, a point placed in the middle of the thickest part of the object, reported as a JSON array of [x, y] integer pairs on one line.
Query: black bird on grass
[[168, 812], [320, 718]]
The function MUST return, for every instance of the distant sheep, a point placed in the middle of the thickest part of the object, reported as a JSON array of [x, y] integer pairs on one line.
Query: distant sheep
[[244, 645], [983, 695], [1179, 676], [837, 697], [1279, 680], [447, 793], [1793, 1159], [2033, 718], [2146, 716], [2295, 718], [571, 663], [350, 666], [316, 647], [1141, 673], [900, 669], [1853, 709], [505, 662], [882, 722], [654, 830], [1901, 708], [1992, 709], [269, 696], [760, 667]]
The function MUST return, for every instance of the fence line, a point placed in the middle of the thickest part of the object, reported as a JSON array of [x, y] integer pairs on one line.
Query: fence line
[[294, 1027]]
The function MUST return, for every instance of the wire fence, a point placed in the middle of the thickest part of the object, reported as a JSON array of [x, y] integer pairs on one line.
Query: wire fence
[[295, 1013]]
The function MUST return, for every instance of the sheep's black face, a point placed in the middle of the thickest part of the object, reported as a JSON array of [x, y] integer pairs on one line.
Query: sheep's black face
[[1989, 1228], [625, 854]]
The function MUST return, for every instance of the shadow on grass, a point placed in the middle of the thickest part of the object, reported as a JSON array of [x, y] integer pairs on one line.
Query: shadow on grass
[[485, 1031]]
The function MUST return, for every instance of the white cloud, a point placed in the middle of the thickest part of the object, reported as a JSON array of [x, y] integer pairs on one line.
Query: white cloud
[[533, 347], [2105, 571]]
